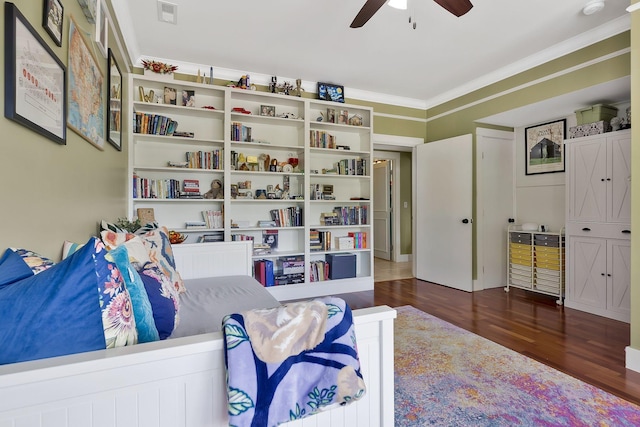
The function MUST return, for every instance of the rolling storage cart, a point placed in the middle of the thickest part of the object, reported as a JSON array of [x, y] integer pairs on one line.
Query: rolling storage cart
[[535, 261]]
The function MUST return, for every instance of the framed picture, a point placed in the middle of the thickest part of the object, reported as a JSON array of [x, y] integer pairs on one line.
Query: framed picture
[[544, 147], [35, 79], [89, 8], [170, 95], [102, 28], [188, 98], [330, 92], [85, 96], [114, 104], [268, 110], [52, 19]]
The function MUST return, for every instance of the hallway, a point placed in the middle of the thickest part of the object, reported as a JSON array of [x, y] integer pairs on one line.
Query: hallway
[[388, 270]]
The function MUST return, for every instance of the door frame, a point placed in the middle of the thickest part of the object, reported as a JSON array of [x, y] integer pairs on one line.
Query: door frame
[[392, 145], [479, 282]]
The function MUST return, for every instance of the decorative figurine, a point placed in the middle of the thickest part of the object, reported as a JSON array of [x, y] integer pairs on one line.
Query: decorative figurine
[[273, 86], [299, 89]]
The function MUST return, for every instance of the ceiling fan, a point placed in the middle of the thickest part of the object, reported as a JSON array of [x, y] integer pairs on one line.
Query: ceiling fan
[[457, 7]]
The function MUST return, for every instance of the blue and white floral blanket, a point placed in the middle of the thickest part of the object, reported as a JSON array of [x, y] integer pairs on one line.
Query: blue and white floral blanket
[[290, 362]]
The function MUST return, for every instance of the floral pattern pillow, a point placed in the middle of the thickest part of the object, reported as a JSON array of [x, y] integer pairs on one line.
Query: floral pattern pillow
[[164, 298], [160, 251], [115, 302], [36, 262]]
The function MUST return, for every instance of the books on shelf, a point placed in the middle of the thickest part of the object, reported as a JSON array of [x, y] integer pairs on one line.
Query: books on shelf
[[195, 224], [355, 166], [319, 240], [263, 272], [240, 132], [217, 236], [359, 239], [213, 218], [352, 215], [153, 124], [191, 186], [322, 139], [287, 217], [318, 271], [204, 159]]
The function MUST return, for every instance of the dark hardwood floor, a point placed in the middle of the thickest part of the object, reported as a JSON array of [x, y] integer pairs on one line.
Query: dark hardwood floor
[[585, 346]]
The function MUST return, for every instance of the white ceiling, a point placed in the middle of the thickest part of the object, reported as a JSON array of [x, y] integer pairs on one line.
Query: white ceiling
[[442, 58]]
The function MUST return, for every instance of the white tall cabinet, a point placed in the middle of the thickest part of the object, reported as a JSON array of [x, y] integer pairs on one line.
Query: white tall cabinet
[[598, 229], [333, 157]]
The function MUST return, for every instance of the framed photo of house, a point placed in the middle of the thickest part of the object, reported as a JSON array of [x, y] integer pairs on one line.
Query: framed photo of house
[[52, 19], [85, 95], [544, 147], [35, 79], [114, 103]]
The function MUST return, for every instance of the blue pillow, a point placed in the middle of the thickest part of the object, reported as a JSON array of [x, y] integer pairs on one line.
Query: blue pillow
[[142, 310], [163, 303], [54, 313], [12, 268]]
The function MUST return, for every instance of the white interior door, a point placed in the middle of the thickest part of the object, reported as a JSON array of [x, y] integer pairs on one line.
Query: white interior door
[[443, 208], [494, 205], [382, 209]]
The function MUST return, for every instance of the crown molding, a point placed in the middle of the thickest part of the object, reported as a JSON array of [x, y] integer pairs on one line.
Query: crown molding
[[566, 47]]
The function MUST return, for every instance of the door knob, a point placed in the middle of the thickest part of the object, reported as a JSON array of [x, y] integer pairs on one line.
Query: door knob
[[465, 221]]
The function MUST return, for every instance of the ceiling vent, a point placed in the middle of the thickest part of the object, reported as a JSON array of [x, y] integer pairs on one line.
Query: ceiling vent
[[167, 12]]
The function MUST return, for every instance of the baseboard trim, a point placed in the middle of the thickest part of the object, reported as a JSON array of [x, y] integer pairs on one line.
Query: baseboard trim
[[403, 258], [632, 358]]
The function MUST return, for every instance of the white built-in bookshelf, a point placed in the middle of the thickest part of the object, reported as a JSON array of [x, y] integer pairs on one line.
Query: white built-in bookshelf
[[291, 165]]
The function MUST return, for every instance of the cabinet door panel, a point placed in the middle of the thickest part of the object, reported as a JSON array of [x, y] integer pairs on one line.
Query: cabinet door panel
[[587, 283], [587, 180], [619, 185], [619, 268]]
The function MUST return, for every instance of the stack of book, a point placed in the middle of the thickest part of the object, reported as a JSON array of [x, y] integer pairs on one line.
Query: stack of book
[[319, 240], [191, 189], [194, 225], [359, 239], [290, 270], [213, 237]]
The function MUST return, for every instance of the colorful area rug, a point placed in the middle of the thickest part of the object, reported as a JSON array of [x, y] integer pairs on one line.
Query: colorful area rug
[[447, 376]]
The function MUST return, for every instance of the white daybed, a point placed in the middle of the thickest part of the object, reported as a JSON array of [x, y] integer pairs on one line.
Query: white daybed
[[180, 381]]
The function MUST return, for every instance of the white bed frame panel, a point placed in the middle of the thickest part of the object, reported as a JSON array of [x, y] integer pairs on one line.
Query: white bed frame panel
[[179, 382]]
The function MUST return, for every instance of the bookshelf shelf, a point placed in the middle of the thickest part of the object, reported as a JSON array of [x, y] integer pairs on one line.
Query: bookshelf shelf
[[286, 135]]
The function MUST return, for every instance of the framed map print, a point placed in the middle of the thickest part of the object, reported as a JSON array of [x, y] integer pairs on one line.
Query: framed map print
[[34, 80], [86, 104], [545, 147]]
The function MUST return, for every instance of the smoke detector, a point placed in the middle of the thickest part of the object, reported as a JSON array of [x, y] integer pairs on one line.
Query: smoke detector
[[167, 12], [593, 6]]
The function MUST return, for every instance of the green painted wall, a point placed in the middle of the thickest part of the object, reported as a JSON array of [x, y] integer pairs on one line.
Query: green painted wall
[[54, 192]]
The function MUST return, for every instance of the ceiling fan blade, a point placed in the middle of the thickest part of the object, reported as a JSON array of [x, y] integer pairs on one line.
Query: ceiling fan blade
[[457, 7], [367, 11]]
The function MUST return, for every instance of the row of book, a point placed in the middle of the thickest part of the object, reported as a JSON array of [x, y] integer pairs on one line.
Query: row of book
[[359, 240], [145, 188], [319, 240], [213, 218], [322, 139], [154, 124], [318, 271], [240, 132], [356, 166], [352, 215], [287, 217], [205, 159], [278, 272]]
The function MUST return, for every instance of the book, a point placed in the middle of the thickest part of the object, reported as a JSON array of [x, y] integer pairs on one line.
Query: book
[[270, 238]]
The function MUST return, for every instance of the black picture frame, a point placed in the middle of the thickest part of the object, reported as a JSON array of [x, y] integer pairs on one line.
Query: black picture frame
[[35, 92], [53, 19], [114, 102], [544, 147], [330, 92]]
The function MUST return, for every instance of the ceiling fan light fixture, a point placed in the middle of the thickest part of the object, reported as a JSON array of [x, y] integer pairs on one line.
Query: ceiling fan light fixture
[[593, 6], [398, 4]]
